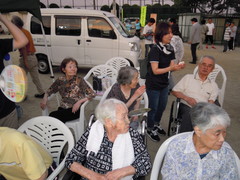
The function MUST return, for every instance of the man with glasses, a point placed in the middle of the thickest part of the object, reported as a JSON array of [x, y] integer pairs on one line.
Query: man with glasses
[[195, 88]]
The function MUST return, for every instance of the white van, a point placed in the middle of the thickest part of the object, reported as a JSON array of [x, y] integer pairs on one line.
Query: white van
[[91, 37]]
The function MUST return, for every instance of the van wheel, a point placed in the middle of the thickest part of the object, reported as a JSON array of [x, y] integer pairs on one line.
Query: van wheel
[[43, 66]]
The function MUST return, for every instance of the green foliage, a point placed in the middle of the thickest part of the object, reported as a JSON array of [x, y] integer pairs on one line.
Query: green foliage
[[105, 8], [53, 5], [69, 7]]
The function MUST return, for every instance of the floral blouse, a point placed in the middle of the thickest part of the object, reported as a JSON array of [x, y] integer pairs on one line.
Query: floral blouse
[[71, 90]]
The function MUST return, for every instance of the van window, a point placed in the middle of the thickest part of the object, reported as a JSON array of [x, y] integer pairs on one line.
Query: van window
[[36, 27], [99, 27], [120, 27], [68, 26]]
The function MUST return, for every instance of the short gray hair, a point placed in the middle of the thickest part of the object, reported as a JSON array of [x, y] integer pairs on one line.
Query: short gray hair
[[107, 109], [17, 21], [209, 57], [207, 116], [126, 75]]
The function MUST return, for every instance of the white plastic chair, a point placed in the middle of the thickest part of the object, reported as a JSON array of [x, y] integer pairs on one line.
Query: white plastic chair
[[118, 62], [76, 125], [213, 75], [158, 160], [53, 135], [101, 71]]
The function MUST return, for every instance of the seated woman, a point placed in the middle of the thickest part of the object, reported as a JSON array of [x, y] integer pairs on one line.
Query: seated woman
[[128, 90], [110, 149], [203, 153], [73, 89]]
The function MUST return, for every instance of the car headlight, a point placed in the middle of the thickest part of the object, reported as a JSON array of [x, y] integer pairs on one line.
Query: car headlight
[[133, 46]]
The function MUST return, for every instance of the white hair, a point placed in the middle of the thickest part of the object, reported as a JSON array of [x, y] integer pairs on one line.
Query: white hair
[[107, 109]]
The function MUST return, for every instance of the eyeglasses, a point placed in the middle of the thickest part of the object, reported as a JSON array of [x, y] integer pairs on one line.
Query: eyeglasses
[[207, 65]]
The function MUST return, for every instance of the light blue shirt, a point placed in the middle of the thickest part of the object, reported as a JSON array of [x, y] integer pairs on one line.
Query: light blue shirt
[[182, 162]]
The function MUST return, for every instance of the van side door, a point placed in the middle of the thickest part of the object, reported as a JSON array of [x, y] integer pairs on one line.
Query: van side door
[[67, 41], [101, 41]]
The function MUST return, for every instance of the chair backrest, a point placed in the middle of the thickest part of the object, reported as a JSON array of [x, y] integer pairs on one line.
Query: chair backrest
[[238, 163], [213, 75], [118, 62], [160, 156], [102, 71], [52, 134]]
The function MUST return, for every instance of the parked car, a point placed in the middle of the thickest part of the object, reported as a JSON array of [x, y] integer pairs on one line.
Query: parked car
[[91, 37]]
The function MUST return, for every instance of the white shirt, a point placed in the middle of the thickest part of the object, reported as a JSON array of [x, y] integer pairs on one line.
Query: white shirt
[[210, 29], [182, 162], [192, 86], [177, 44], [148, 30], [233, 31]]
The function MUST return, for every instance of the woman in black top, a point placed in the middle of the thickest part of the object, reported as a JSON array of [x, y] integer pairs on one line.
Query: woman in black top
[[160, 64]]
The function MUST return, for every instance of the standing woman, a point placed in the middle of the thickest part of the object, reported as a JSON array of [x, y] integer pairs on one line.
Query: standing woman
[[160, 64]]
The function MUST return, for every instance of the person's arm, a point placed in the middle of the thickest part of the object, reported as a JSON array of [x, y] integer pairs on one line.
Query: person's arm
[[214, 93], [19, 39], [85, 172], [118, 174], [189, 100], [89, 94], [142, 162], [136, 95], [44, 176], [172, 67]]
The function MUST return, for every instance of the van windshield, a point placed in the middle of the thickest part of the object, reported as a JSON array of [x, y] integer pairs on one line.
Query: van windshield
[[120, 27]]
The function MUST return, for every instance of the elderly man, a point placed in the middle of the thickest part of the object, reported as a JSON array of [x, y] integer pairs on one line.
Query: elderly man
[[194, 88], [202, 154], [110, 149]]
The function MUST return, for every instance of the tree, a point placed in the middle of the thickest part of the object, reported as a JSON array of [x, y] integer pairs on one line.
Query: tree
[[105, 8], [42, 5], [53, 5]]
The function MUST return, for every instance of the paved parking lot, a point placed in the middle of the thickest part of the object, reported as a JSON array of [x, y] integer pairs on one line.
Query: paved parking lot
[[230, 61]]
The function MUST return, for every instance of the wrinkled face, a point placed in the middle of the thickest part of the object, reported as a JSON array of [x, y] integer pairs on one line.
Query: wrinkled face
[[134, 81], [70, 69], [167, 38], [213, 138], [206, 66], [122, 121]]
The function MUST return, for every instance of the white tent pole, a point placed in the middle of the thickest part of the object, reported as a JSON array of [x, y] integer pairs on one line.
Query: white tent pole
[[48, 56]]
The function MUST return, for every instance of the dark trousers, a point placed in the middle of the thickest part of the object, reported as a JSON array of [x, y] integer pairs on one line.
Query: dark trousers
[[157, 103], [230, 43], [186, 124], [194, 53], [65, 115], [225, 45], [210, 38]]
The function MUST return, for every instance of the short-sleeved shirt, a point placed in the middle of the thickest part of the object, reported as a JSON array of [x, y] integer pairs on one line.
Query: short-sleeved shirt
[[116, 93], [156, 54], [6, 106], [101, 162], [210, 29], [233, 31], [30, 46], [182, 161], [192, 86], [21, 157], [148, 30], [71, 90]]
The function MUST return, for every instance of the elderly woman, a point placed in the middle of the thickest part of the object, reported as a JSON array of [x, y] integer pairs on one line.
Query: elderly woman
[[110, 149], [203, 153], [128, 90], [73, 89]]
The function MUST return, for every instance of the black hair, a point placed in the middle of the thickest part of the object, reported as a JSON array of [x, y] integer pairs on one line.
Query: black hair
[[161, 30], [151, 20], [65, 62]]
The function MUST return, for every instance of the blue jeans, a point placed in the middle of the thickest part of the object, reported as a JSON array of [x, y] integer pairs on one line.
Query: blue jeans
[[157, 103]]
